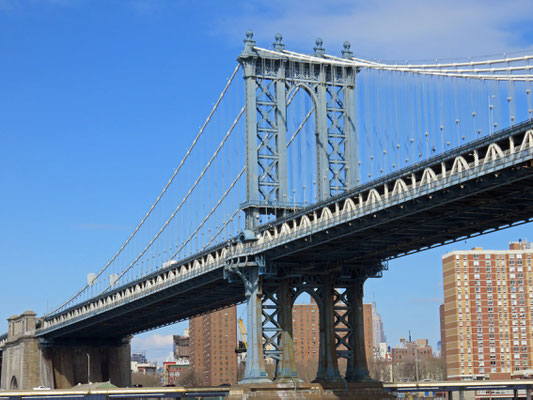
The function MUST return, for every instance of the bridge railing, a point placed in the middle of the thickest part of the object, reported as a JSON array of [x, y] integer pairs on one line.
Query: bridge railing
[[412, 183]]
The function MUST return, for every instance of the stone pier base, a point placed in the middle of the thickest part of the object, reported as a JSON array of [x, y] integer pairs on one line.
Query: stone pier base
[[69, 363], [29, 361], [341, 390]]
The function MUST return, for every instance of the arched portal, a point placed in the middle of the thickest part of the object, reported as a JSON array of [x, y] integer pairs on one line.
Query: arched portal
[[306, 335], [270, 76], [302, 144], [13, 384]]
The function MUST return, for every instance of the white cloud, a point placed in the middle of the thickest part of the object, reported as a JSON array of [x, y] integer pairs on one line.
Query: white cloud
[[155, 341], [389, 29]]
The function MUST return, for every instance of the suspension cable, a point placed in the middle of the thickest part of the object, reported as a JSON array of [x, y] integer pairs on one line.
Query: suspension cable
[[165, 188], [184, 199]]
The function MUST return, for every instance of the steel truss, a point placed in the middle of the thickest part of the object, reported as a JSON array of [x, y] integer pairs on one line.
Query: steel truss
[[270, 80]]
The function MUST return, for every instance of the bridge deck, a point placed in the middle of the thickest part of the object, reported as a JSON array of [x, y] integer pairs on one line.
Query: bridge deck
[[482, 186]]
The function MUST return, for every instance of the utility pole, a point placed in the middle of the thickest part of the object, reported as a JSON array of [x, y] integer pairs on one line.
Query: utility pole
[[416, 363]]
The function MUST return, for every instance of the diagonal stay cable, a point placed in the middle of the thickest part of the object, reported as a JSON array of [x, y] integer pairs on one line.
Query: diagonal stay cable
[[301, 125], [221, 229], [176, 171], [191, 236], [183, 200]]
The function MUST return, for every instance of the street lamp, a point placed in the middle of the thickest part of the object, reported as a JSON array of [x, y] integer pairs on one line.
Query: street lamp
[[88, 368]]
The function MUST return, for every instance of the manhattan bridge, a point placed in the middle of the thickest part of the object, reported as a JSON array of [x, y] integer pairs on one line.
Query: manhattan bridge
[[310, 172]]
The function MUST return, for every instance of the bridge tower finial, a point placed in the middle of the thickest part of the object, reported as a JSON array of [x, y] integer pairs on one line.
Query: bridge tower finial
[[346, 52], [278, 45], [319, 50], [249, 43]]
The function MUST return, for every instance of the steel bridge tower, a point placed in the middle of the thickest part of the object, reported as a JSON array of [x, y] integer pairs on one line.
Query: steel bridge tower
[[271, 287], [270, 79]]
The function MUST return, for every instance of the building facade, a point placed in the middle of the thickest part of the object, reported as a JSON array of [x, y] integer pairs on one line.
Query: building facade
[[305, 328], [305, 332], [378, 332], [487, 312], [411, 350], [182, 348], [212, 342]]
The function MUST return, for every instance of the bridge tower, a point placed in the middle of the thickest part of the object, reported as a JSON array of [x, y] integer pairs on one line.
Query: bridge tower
[[270, 77], [271, 287]]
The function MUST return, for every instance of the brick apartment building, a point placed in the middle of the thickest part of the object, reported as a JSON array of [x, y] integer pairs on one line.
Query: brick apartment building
[[305, 327], [212, 342], [487, 312], [408, 350]]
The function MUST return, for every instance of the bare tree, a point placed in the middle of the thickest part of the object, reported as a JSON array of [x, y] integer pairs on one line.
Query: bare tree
[[380, 369], [432, 368], [146, 380], [190, 378]]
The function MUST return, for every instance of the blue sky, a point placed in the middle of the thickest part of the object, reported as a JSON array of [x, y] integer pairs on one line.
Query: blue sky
[[99, 99]]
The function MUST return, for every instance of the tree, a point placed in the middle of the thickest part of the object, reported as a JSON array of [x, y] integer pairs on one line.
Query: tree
[[190, 378], [146, 380], [380, 369]]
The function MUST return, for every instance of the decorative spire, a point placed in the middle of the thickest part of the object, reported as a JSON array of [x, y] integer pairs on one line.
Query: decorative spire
[[347, 53], [319, 50], [249, 43], [278, 45]]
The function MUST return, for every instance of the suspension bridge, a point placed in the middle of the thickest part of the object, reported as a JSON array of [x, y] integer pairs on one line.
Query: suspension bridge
[[308, 175]]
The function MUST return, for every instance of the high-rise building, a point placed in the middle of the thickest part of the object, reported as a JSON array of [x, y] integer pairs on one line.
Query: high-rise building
[[212, 342], [368, 324], [305, 332], [182, 349], [487, 312], [442, 333], [378, 333], [410, 350]]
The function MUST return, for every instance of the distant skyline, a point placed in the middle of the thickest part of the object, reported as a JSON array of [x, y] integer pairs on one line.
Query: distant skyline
[[99, 99]]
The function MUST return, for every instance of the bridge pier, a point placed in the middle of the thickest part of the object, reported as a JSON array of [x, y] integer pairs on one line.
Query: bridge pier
[[29, 361], [286, 366], [255, 371], [357, 367], [328, 367], [21, 358], [74, 362]]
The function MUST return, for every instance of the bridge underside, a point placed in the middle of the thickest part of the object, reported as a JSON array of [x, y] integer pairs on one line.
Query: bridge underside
[[197, 296], [489, 202]]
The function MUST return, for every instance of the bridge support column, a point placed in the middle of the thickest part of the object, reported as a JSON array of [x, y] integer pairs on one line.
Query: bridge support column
[[357, 368], [255, 371], [22, 359], [74, 362], [328, 368], [286, 366]]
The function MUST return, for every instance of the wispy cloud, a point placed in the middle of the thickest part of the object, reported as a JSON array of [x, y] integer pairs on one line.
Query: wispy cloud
[[389, 29], [151, 341]]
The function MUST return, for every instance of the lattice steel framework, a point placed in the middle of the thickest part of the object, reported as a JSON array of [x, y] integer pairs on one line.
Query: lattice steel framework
[[269, 79]]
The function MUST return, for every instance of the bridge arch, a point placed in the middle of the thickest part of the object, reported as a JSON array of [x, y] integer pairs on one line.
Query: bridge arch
[[13, 384]]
